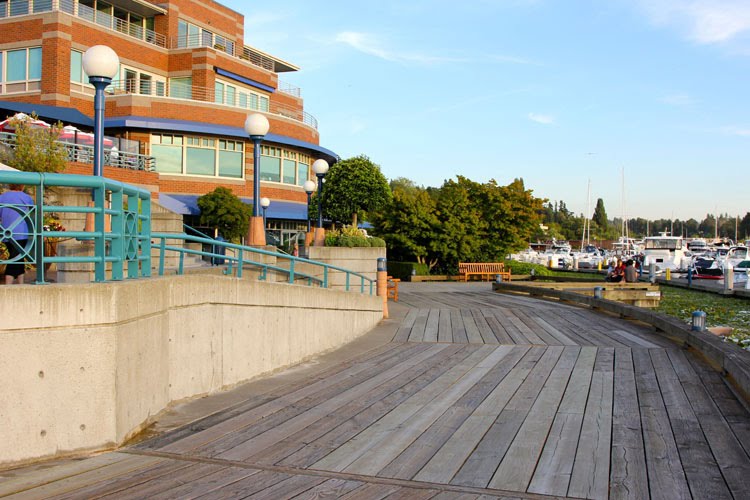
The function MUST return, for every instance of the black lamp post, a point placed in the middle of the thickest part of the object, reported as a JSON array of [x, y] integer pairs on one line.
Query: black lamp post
[[309, 189], [320, 167], [256, 126], [101, 64]]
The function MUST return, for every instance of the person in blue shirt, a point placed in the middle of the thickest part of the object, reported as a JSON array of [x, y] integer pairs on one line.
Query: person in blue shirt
[[15, 204]]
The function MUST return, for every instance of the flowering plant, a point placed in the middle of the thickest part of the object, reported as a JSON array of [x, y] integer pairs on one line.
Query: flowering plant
[[52, 223]]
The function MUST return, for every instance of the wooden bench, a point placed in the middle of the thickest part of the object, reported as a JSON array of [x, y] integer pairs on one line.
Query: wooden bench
[[484, 270], [393, 288]]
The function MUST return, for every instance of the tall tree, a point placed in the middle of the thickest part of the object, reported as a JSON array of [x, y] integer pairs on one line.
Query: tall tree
[[600, 215], [354, 187]]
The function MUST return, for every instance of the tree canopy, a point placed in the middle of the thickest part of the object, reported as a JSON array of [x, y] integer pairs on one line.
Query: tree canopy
[[353, 188], [223, 210]]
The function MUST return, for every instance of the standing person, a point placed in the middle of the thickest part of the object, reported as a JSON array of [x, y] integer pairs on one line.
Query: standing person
[[13, 219]]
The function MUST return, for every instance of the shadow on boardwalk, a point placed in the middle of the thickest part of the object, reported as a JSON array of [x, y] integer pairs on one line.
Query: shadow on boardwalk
[[462, 394]]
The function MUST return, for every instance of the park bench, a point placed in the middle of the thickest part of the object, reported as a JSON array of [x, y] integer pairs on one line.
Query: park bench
[[393, 288], [485, 270]]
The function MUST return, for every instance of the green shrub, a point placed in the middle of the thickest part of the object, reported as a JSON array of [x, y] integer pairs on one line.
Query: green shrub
[[526, 267], [402, 270], [377, 242], [351, 237]]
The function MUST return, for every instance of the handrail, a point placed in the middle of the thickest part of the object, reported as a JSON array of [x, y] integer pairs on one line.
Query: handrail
[[241, 259], [129, 213]]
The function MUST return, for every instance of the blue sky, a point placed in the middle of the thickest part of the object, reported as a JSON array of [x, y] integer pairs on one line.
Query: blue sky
[[554, 91]]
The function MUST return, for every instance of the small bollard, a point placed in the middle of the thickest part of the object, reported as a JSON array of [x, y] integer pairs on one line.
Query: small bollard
[[699, 321], [575, 263], [728, 279], [599, 266], [690, 277], [652, 272], [598, 292], [669, 274], [382, 286], [498, 278]]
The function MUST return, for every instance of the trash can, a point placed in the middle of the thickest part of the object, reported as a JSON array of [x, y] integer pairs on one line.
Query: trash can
[[220, 250]]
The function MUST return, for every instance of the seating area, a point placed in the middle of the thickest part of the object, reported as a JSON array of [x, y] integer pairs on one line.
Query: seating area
[[485, 270]]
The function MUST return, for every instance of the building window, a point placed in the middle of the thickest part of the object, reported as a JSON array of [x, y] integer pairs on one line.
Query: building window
[[76, 67], [22, 71], [283, 165], [190, 35], [190, 155], [181, 88]]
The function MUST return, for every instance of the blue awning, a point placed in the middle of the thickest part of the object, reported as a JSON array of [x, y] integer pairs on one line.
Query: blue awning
[[49, 113], [142, 122], [187, 204], [245, 80]]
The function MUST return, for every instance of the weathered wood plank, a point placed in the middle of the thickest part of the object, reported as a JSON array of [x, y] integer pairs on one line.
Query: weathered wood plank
[[502, 335], [459, 330], [472, 331], [402, 334], [288, 488], [244, 487], [333, 488], [484, 328], [703, 474], [628, 475], [552, 475], [193, 474], [665, 474], [561, 338], [590, 477], [484, 460], [727, 450], [432, 326], [417, 331], [445, 328]]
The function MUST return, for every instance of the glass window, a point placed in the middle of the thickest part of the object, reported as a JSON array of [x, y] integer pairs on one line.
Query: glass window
[[199, 161], [160, 88], [146, 85], [243, 100], [35, 63], [42, 5], [230, 164], [19, 7], [182, 33], [263, 103], [219, 92], [302, 170], [253, 101], [76, 66], [3, 9], [207, 38], [168, 158], [16, 70], [104, 13], [231, 92], [290, 170], [270, 169], [181, 87]]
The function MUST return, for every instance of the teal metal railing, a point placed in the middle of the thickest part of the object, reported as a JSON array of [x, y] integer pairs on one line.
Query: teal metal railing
[[125, 246], [315, 273], [122, 243]]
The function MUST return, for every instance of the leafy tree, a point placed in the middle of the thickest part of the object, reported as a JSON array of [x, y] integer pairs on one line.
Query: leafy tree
[[354, 187], [224, 211], [600, 215], [462, 225], [36, 149]]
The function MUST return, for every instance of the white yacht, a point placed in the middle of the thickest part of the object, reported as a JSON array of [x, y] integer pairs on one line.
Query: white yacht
[[666, 252]]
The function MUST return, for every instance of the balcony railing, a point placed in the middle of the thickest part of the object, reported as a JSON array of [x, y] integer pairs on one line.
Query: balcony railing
[[84, 153], [203, 94], [290, 89], [25, 7]]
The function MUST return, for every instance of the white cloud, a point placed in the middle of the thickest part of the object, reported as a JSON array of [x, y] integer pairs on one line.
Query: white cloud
[[371, 45], [678, 100], [742, 132], [543, 119], [703, 21]]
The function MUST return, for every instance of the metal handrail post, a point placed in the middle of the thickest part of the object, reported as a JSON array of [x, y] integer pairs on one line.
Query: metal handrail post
[[39, 233], [118, 233], [100, 244]]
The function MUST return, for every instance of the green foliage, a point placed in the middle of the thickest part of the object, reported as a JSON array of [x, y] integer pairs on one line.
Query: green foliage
[[376, 242], [353, 188], [462, 221], [519, 268], [224, 211], [348, 236], [402, 270], [37, 149]]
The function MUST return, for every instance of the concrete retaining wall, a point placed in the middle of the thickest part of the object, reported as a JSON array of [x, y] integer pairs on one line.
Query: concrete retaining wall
[[87, 366], [363, 260]]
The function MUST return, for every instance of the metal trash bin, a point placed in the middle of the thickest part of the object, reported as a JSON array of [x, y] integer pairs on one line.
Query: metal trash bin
[[220, 250]]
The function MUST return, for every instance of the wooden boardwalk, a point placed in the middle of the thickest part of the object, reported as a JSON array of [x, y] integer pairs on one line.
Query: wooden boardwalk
[[477, 395]]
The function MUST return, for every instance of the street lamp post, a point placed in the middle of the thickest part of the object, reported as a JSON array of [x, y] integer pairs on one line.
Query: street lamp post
[[264, 203], [309, 188], [320, 167], [256, 126], [101, 64]]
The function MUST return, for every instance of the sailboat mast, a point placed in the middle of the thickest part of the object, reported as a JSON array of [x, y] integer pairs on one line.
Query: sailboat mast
[[586, 236]]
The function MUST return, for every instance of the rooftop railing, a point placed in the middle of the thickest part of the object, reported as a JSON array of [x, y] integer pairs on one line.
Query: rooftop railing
[[203, 94], [84, 153]]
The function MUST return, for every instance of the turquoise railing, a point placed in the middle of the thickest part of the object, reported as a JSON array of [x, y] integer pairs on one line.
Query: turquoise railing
[[122, 242], [125, 245], [242, 256]]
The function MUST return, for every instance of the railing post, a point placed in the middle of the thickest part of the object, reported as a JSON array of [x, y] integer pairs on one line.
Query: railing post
[[239, 263], [39, 232], [291, 270], [163, 250], [118, 236], [100, 244], [144, 234]]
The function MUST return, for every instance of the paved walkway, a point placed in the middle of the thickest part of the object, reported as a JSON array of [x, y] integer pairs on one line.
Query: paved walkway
[[463, 394]]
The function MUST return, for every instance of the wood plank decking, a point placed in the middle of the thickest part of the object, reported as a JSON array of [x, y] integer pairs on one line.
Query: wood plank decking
[[477, 395]]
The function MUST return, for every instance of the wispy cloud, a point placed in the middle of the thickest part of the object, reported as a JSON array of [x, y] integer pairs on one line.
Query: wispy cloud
[[702, 21], [679, 100], [739, 131], [372, 45], [543, 119]]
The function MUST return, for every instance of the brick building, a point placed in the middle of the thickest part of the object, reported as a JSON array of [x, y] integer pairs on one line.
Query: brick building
[[186, 83]]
